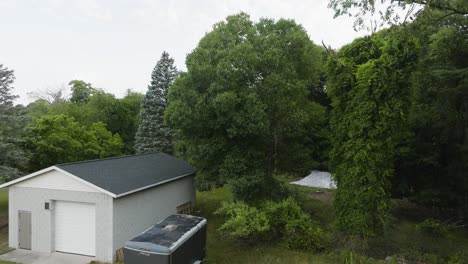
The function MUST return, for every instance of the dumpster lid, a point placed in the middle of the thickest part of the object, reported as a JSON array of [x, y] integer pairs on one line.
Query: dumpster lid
[[167, 235]]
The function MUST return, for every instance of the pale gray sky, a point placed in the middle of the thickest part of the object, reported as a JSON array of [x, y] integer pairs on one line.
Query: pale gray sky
[[114, 44]]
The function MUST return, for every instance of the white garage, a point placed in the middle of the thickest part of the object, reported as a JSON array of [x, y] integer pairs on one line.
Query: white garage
[[93, 207]]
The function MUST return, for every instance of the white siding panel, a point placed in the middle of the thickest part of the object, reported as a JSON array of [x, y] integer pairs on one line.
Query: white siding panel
[[56, 180], [137, 212]]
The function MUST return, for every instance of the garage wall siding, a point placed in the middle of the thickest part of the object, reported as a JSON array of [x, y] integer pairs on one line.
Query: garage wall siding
[[33, 199], [137, 212]]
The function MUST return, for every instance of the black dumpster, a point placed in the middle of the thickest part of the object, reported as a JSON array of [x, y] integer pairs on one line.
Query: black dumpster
[[178, 239]]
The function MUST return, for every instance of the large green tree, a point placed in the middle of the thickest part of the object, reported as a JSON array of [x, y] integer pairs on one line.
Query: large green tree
[[369, 87], [241, 111], [13, 159], [153, 134], [57, 139], [81, 91]]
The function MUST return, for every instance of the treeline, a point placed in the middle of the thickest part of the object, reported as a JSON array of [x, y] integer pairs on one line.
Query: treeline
[[90, 124]]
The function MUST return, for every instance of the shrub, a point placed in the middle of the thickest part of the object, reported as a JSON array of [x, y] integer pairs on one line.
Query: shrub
[[281, 213], [433, 227], [243, 222], [302, 234], [273, 220]]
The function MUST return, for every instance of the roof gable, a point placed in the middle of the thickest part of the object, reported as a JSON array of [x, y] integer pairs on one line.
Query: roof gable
[[50, 169], [57, 180]]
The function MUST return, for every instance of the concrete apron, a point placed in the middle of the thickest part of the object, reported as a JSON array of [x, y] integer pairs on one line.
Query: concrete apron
[[31, 257]]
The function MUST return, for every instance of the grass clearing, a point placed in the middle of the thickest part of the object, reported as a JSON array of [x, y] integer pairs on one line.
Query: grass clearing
[[402, 240], [222, 250]]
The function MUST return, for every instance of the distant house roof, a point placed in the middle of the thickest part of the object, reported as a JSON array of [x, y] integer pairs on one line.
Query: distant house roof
[[120, 176]]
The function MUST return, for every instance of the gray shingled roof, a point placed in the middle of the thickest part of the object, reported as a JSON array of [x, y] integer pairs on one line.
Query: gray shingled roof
[[129, 173]]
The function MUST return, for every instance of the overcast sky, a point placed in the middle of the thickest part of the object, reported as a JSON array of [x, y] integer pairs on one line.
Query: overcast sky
[[114, 44]]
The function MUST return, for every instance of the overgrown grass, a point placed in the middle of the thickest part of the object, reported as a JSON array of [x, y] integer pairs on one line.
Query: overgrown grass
[[403, 240], [222, 250]]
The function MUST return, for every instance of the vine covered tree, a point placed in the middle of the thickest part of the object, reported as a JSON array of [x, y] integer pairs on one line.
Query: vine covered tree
[[368, 83], [153, 134], [242, 112]]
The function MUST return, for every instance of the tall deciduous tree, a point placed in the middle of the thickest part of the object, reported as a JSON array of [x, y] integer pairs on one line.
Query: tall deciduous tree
[[370, 88], [12, 121], [81, 91], [153, 134], [242, 111]]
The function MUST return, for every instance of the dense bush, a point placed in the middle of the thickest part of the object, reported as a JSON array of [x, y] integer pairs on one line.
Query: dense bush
[[284, 221], [243, 222], [303, 234]]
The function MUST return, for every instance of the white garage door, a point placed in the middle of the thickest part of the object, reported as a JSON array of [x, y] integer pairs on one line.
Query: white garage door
[[75, 228]]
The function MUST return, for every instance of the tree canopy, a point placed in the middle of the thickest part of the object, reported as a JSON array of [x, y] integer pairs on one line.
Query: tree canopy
[[241, 111], [59, 139]]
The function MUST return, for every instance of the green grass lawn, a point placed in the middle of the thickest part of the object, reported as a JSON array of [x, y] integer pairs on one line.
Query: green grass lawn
[[402, 240], [3, 220]]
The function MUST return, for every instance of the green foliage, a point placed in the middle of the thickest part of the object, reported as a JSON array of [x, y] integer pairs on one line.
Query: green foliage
[[433, 227], [60, 139], [433, 170], [300, 234], [281, 214], [368, 87], [13, 159], [273, 221], [254, 188], [120, 115], [290, 222], [395, 11], [81, 91], [153, 134], [242, 112], [243, 222]]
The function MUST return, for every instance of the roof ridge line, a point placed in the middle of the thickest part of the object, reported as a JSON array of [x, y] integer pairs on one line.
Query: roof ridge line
[[109, 158]]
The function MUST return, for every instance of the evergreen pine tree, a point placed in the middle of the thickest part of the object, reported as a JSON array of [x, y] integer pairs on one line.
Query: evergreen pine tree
[[153, 134], [12, 122]]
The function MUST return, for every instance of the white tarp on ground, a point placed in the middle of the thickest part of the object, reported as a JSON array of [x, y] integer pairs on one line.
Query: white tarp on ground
[[320, 179]]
